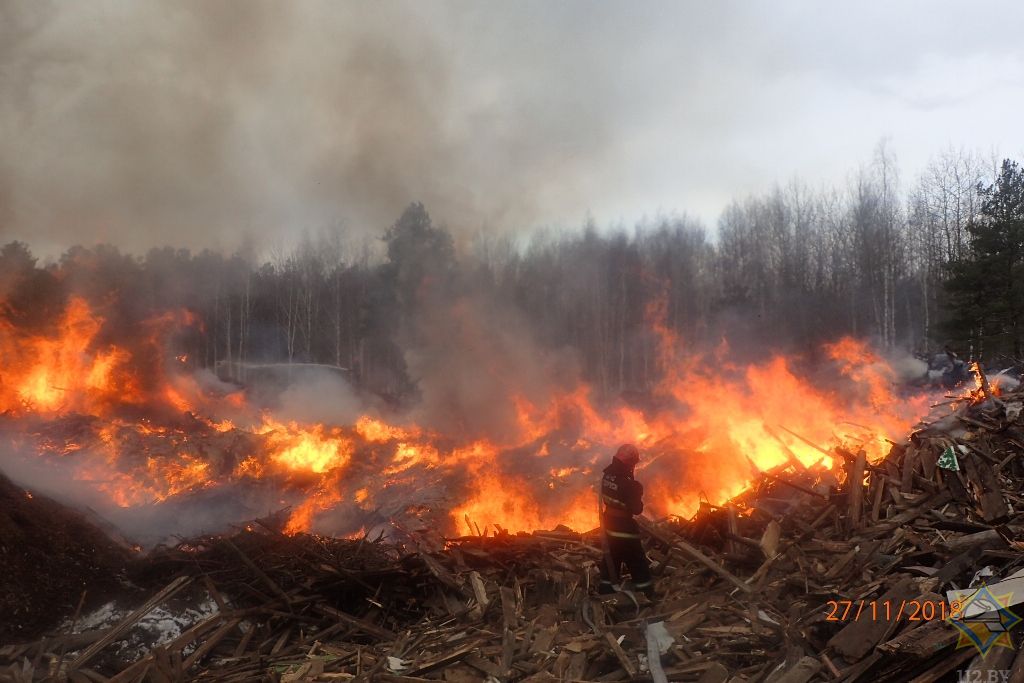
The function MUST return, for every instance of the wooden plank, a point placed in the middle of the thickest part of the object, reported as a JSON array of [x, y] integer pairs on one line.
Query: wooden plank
[[909, 464], [987, 489], [545, 637], [859, 637], [508, 608], [944, 666], [931, 502], [998, 661], [132, 672], [879, 481], [479, 590], [207, 645], [791, 458], [928, 459], [829, 665], [673, 540], [444, 659], [807, 441], [260, 574], [734, 530], [363, 625], [793, 485], [957, 565], [211, 588], [243, 644], [982, 539], [921, 642], [1017, 670], [956, 487], [770, 539], [439, 572], [485, 665], [802, 671], [508, 647], [577, 667], [864, 557], [527, 641], [712, 565], [714, 673], [281, 641], [855, 489], [508, 651], [165, 594], [854, 672], [840, 564], [624, 661]]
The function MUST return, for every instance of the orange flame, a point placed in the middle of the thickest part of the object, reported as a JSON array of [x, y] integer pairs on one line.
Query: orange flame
[[716, 424]]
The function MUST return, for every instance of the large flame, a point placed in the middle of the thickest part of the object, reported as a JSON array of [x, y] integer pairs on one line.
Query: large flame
[[147, 433]]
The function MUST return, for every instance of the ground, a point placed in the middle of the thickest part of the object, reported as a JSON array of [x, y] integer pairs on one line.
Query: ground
[[49, 555]]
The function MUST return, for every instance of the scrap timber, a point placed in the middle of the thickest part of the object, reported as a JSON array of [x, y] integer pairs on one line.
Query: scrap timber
[[810, 575]]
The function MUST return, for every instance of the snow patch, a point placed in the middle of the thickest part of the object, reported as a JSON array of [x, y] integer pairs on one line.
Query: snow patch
[[162, 625]]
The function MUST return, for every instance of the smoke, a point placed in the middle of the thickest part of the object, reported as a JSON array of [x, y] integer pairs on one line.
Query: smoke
[[320, 396], [208, 124], [905, 366], [206, 511], [199, 123], [476, 359]]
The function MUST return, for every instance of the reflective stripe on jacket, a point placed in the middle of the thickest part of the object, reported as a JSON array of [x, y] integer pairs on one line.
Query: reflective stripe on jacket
[[622, 496]]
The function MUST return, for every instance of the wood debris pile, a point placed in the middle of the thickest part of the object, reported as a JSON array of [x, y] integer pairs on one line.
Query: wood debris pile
[[753, 591]]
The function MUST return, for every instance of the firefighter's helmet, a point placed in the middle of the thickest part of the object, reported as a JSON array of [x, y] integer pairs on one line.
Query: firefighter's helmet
[[628, 454]]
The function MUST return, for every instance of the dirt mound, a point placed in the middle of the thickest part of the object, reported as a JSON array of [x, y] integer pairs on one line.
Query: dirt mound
[[49, 554]]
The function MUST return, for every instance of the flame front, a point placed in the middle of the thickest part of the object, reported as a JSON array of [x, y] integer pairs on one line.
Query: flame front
[[146, 433]]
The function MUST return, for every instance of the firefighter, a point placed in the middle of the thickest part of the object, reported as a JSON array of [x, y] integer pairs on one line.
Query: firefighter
[[622, 498]]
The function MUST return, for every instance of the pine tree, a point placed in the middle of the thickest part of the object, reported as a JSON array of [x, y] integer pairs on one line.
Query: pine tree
[[986, 289]]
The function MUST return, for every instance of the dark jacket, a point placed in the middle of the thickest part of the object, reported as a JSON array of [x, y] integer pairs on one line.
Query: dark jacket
[[622, 497]]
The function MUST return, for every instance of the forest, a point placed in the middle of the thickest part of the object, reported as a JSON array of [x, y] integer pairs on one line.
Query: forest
[[932, 264]]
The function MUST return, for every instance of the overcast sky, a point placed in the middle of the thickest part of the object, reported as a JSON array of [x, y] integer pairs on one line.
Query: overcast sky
[[198, 123]]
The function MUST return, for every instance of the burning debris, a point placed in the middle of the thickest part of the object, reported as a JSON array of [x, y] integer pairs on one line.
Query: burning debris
[[129, 425], [251, 431], [804, 576], [426, 559]]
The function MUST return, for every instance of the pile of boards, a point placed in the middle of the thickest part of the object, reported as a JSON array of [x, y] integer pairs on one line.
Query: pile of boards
[[798, 579]]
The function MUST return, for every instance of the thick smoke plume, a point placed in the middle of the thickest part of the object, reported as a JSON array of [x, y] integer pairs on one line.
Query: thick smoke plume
[[206, 124], [198, 123]]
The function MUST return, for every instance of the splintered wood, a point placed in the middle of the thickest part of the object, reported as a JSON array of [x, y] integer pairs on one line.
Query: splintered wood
[[801, 578]]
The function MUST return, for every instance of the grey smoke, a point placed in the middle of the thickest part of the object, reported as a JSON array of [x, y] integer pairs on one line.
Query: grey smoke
[[476, 357], [207, 124], [320, 397], [202, 124]]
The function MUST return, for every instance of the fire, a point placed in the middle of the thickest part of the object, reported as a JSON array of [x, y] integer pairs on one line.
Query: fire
[[511, 505], [149, 433], [61, 372], [69, 369], [374, 430], [410, 454], [315, 449], [249, 467], [157, 480], [324, 497]]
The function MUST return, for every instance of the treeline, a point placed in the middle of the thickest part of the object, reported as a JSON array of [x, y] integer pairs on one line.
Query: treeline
[[939, 262]]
